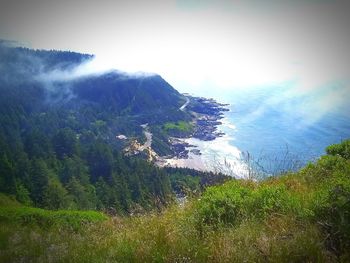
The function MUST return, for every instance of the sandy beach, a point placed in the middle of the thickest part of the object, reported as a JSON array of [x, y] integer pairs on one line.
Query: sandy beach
[[217, 156]]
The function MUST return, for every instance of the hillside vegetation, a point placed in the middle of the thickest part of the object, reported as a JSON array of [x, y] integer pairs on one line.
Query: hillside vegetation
[[296, 217], [59, 146]]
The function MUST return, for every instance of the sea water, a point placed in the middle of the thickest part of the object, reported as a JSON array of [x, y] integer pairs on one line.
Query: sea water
[[275, 129]]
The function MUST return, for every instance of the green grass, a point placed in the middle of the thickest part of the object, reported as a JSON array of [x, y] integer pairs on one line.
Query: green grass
[[13, 212], [298, 217], [179, 126], [169, 237], [6, 200], [46, 218]]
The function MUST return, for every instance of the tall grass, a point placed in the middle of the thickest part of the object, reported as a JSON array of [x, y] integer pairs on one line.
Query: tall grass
[[170, 237], [298, 217]]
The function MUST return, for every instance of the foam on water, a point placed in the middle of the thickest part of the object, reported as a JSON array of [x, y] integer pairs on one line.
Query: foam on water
[[218, 155]]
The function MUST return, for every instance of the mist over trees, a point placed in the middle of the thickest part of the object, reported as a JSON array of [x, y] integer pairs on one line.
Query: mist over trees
[[57, 137]]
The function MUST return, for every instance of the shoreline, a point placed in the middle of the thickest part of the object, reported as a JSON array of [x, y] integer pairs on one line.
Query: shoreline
[[208, 148], [207, 117]]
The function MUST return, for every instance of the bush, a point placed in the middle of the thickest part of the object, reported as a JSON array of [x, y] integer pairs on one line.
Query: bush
[[334, 216], [225, 205], [342, 149], [268, 200], [234, 202]]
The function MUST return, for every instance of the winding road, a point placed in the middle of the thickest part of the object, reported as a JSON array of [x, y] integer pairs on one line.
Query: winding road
[[182, 108], [148, 134]]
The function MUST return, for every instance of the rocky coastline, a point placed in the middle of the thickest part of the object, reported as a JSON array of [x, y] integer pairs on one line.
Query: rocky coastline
[[207, 114]]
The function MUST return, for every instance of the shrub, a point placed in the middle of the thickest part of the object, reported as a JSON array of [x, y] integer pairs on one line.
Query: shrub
[[233, 203], [342, 149], [223, 205], [269, 200], [334, 216]]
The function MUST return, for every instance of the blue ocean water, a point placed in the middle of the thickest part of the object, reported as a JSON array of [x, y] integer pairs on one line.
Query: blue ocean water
[[287, 129]]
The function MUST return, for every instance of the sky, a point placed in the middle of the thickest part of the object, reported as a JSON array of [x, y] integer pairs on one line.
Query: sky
[[198, 45]]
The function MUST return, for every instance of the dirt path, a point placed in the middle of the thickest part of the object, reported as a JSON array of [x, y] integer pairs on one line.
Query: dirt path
[[148, 135]]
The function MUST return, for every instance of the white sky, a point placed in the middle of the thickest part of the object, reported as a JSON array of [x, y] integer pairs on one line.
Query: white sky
[[195, 44]]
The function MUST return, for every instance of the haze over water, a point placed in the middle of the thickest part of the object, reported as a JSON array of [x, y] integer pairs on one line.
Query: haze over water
[[272, 126]]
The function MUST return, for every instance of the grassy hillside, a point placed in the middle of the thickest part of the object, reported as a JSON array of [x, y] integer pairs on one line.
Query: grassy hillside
[[297, 217], [12, 212]]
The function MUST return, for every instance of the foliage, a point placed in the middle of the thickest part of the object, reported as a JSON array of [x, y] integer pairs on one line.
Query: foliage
[[167, 237], [236, 202], [58, 146], [318, 194], [297, 217], [185, 184], [342, 149]]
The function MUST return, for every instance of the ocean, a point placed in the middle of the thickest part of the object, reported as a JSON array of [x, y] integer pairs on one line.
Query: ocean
[[274, 129]]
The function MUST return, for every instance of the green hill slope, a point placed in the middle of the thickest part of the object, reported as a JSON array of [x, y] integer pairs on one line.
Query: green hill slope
[[297, 217]]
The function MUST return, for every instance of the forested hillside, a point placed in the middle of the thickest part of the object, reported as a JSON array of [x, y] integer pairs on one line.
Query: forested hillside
[[58, 145]]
